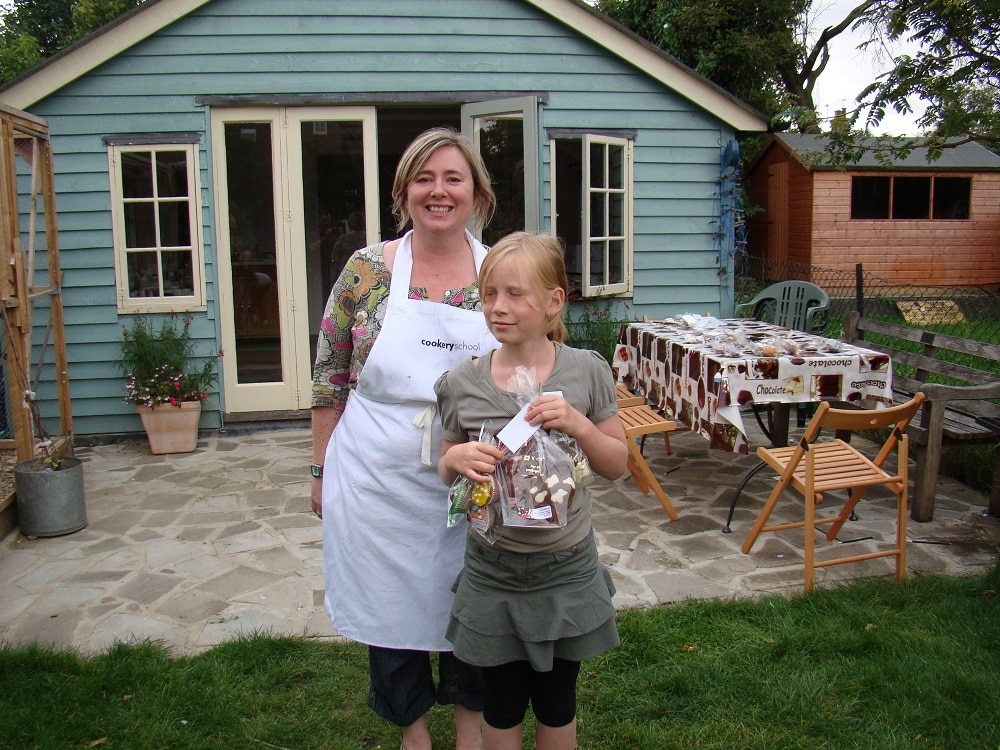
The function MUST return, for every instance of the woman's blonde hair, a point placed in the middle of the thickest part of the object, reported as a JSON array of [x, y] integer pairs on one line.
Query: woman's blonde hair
[[415, 157], [540, 258]]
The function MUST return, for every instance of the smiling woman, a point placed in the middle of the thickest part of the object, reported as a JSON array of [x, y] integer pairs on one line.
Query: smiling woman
[[401, 313]]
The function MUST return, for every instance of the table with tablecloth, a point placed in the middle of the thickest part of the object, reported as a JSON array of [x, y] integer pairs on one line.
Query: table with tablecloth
[[702, 370]]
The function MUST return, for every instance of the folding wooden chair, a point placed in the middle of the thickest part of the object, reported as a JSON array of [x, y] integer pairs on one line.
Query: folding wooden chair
[[627, 398], [640, 421], [814, 468]]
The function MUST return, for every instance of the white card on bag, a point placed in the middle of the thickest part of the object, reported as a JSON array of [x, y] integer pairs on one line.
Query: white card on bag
[[517, 431]]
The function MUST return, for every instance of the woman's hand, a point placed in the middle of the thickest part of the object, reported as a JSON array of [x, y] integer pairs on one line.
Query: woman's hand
[[324, 421], [316, 497], [474, 460]]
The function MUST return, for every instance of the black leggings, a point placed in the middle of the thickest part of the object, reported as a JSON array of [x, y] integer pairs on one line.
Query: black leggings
[[509, 688]]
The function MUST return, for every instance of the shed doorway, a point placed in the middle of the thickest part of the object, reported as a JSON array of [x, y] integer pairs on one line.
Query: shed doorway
[[299, 188]]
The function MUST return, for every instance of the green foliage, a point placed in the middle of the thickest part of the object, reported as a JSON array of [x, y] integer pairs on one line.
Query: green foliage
[[956, 70], [33, 30], [48, 22], [760, 56], [92, 14], [17, 55], [749, 54], [874, 664], [595, 324], [157, 363]]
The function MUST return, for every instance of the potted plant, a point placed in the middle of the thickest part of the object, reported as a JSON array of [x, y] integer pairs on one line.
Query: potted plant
[[163, 382], [49, 487]]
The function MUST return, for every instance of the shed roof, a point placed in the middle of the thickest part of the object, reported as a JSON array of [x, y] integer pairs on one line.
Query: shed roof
[[966, 157], [148, 18]]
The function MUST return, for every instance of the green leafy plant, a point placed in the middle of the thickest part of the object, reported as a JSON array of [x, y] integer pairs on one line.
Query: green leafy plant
[[158, 364], [595, 324]]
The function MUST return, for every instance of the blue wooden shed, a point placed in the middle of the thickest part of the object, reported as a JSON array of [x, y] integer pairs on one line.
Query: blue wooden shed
[[214, 158]]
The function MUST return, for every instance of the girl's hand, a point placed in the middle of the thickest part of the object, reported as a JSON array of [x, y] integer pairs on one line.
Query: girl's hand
[[603, 443], [556, 413], [474, 460]]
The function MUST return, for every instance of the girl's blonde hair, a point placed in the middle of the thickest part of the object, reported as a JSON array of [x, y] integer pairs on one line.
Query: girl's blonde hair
[[415, 157], [540, 257]]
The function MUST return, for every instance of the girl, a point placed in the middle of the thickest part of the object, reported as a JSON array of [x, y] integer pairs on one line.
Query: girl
[[532, 605]]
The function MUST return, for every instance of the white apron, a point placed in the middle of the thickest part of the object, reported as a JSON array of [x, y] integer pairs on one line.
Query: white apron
[[389, 558]]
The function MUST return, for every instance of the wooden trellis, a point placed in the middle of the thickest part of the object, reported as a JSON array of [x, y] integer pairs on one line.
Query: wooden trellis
[[27, 251]]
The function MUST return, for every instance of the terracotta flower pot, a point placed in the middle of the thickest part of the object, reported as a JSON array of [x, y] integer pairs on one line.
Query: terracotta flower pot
[[171, 429]]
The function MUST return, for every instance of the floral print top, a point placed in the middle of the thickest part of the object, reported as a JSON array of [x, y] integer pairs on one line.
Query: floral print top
[[352, 321]]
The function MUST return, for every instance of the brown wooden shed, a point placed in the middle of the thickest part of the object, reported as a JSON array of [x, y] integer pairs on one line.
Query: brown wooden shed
[[919, 222]]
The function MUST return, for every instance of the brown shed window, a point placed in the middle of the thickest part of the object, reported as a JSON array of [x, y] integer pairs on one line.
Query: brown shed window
[[900, 197], [951, 197], [870, 197]]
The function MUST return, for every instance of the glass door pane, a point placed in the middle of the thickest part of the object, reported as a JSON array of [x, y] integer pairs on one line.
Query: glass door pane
[[253, 249], [506, 133], [333, 198], [500, 141], [294, 185]]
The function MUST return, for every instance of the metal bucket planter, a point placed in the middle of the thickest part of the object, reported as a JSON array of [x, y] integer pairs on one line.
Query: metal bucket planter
[[50, 502]]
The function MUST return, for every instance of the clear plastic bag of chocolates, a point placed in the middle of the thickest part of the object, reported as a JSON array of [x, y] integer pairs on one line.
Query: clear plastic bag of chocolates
[[475, 501], [582, 473], [536, 484], [485, 522]]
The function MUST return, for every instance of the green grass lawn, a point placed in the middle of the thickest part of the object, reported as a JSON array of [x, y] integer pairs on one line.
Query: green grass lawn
[[874, 664]]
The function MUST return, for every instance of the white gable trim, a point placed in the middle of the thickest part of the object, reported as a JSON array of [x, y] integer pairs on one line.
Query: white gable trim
[[77, 61], [147, 19]]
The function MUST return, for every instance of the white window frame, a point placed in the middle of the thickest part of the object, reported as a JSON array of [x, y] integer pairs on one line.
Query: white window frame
[[195, 302], [587, 289], [605, 289]]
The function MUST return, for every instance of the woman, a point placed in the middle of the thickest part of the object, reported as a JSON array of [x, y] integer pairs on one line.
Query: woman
[[401, 313]]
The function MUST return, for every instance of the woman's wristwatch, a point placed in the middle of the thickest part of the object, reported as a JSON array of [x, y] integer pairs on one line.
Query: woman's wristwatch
[[316, 471]]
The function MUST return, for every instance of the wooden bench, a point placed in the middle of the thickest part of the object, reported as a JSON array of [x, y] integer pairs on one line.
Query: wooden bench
[[957, 410]]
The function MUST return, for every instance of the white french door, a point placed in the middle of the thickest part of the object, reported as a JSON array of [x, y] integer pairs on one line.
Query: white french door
[[294, 188], [505, 132]]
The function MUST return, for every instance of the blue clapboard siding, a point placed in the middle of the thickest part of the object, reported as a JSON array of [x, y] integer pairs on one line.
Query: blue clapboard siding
[[368, 47]]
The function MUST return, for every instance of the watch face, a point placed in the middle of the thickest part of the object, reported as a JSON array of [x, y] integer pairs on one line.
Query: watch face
[[316, 471]]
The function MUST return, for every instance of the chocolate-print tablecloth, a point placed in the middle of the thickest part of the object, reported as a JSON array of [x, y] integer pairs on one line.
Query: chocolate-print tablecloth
[[702, 369]]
